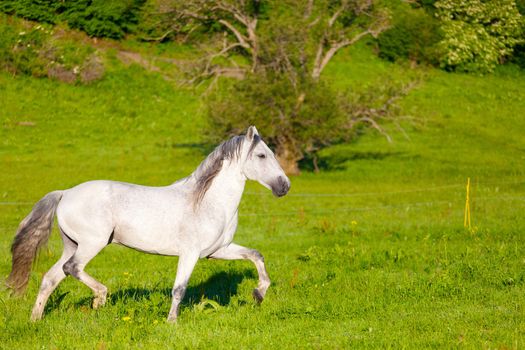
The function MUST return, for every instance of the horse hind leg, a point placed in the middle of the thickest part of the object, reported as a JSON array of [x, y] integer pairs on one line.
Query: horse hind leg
[[52, 278], [75, 265]]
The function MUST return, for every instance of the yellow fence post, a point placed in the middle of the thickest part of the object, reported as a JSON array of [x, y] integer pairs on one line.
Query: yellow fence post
[[466, 222]]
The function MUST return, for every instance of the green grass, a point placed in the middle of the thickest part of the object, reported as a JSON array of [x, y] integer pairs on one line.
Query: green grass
[[370, 253]]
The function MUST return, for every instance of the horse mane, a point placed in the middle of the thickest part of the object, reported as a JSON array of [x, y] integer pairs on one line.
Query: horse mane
[[212, 165]]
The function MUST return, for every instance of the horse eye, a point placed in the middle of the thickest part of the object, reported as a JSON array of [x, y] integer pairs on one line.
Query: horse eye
[[262, 156]]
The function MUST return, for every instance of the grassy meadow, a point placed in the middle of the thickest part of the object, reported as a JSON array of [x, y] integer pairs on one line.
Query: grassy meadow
[[369, 253]]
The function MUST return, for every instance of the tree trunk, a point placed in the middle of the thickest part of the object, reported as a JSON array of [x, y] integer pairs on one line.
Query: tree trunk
[[288, 158], [289, 166]]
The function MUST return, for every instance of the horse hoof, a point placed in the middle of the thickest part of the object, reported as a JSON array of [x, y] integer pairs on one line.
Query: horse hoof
[[257, 296], [35, 318], [99, 302]]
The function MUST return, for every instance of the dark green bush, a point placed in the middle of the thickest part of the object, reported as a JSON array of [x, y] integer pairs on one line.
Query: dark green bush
[[518, 56], [520, 4], [100, 18], [428, 5], [413, 36], [35, 10]]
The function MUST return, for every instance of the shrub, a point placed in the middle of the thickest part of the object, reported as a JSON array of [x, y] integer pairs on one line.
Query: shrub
[[518, 56], [520, 4], [428, 5], [414, 36], [35, 10], [478, 34], [98, 18], [103, 18]]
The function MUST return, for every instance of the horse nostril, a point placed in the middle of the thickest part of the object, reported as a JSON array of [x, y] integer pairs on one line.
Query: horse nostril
[[283, 185]]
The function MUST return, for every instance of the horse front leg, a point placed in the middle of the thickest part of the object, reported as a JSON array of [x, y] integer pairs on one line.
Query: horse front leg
[[184, 270], [237, 252]]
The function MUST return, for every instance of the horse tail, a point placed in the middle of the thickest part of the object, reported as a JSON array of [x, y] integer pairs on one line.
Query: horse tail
[[33, 232]]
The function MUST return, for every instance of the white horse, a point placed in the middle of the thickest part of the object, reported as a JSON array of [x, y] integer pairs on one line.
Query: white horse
[[193, 218]]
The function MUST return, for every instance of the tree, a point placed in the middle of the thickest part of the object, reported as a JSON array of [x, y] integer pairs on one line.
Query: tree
[[286, 46], [302, 118], [478, 34]]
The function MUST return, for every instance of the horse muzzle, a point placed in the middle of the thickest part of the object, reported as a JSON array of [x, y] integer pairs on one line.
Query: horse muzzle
[[281, 186]]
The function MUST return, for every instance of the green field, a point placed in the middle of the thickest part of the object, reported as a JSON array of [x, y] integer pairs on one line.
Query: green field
[[369, 253]]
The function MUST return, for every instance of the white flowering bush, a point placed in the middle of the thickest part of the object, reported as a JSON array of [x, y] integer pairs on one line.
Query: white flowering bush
[[478, 34]]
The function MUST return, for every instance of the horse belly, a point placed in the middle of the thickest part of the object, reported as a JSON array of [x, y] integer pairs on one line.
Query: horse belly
[[149, 237], [148, 220]]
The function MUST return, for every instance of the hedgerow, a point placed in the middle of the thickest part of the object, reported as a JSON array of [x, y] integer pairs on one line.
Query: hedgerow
[[99, 18]]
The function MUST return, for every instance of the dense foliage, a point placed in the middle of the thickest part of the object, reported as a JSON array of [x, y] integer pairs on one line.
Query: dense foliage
[[518, 56], [478, 34], [413, 35], [99, 18], [35, 10]]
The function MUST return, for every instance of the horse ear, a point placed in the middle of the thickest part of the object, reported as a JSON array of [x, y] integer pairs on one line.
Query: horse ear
[[251, 132]]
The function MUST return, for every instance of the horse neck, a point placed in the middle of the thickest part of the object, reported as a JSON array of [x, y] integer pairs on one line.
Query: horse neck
[[227, 188]]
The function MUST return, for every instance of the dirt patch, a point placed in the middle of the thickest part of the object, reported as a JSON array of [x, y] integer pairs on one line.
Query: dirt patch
[[61, 73], [92, 70], [128, 57]]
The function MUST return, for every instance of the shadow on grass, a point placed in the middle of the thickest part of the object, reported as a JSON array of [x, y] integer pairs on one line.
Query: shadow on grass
[[338, 160], [219, 287], [54, 301]]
